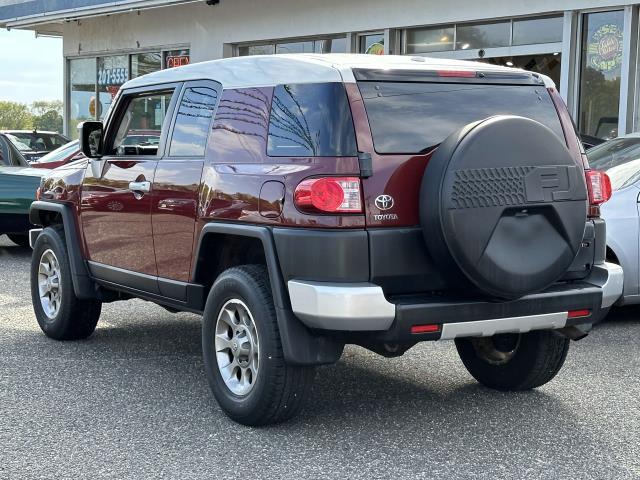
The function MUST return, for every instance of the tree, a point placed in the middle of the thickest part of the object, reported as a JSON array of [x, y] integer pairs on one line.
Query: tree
[[15, 116], [47, 115], [40, 107], [48, 121]]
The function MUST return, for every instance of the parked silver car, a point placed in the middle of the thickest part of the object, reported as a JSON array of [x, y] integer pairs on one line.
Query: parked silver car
[[620, 159]]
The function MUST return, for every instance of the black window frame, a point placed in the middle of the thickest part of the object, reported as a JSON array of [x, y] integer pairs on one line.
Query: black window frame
[[217, 87]]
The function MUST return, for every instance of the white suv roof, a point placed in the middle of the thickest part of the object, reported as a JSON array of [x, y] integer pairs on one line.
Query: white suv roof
[[270, 70]]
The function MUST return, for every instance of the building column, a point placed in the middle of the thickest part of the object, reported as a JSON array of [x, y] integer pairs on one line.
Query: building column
[[570, 61], [628, 79]]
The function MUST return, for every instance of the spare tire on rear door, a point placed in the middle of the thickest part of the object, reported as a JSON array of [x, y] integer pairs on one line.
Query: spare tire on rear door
[[503, 205]]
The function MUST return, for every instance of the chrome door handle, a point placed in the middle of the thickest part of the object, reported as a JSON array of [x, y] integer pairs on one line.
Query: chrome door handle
[[144, 187]]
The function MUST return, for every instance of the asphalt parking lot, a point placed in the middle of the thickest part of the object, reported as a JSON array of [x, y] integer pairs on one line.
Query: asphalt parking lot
[[132, 402]]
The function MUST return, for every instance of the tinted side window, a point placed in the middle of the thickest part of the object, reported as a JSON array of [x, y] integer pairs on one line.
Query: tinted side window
[[4, 153], [141, 125], [193, 121], [415, 117], [311, 120]]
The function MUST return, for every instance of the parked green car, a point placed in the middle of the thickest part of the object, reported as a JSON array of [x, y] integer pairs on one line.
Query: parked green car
[[18, 185]]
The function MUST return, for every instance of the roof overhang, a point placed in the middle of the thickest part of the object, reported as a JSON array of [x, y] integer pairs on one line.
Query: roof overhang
[[31, 13]]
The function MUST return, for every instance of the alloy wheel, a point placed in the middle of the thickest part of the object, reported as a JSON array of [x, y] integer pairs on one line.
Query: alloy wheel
[[237, 347], [49, 287]]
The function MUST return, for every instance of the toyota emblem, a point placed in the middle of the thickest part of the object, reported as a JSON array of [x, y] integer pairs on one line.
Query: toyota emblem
[[384, 202]]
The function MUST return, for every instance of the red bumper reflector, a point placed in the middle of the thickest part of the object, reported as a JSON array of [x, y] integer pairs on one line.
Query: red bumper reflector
[[431, 328], [579, 313]]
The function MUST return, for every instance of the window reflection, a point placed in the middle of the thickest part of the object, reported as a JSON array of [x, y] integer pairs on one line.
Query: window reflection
[[191, 130], [421, 40], [487, 35], [143, 63], [397, 111], [600, 74], [311, 120], [141, 125], [82, 95]]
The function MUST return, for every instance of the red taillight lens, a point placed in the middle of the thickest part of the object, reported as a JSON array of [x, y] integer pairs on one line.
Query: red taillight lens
[[599, 187], [329, 195], [457, 73]]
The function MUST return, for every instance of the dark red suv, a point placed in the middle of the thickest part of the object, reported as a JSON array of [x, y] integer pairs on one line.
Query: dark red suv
[[300, 203]]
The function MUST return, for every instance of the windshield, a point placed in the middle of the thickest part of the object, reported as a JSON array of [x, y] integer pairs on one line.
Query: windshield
[[40, 141], [614, 152], [415, 117], [620, 158], [61, 153], [17, 143]]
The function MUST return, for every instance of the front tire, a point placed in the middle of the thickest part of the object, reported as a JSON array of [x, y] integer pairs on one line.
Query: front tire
[[242, 352], [511, 362], [60, 314]]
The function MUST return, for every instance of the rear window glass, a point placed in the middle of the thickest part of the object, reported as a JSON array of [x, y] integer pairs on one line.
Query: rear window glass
[[311, 120], [416, 117]]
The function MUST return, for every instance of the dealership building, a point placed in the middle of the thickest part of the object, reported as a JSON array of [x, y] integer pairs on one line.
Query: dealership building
[[588, 47]]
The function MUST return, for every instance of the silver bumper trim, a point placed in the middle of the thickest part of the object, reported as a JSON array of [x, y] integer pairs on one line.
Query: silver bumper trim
[[610, 278], [488, 328], [33, 236], [346, 306]]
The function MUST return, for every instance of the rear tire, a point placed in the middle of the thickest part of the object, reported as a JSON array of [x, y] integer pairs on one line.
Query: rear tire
[[511, 362], [19, 239], [60, 314], [242, 351]]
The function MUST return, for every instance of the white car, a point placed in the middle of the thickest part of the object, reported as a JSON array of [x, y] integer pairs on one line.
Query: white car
[[620, 159]]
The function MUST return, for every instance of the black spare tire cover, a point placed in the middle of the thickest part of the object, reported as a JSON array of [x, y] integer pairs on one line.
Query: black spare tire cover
[[503, 205]]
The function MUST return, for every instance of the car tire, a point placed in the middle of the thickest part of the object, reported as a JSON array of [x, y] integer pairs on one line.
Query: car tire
[[60, 314], [19, 239], [242, 351], [512, 362]]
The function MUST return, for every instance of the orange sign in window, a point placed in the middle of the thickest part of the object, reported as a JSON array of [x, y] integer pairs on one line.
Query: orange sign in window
[[177, 61]]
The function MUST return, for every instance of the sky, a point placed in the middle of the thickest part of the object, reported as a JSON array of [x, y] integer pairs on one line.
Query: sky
[[32, 68]]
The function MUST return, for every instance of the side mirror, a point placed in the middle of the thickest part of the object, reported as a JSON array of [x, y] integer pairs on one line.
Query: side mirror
[[91, 140]]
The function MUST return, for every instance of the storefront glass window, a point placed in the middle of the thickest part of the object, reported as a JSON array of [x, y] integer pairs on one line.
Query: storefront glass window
[[487, 35], [295, 47], [319, 45], [112, 73], [423, 40], [537, 30], [82, 93], [331, 45], [245, 50], [176, 58], [602, 40], [372, 44], [143, 63]]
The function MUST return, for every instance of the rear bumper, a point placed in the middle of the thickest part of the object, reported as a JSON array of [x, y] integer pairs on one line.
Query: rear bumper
[[363, 307]]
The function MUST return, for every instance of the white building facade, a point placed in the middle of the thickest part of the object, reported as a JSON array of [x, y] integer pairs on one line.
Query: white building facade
[[589, 47]]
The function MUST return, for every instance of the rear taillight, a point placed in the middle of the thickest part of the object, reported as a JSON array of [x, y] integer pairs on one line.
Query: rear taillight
[[329, 195], [599, 187]]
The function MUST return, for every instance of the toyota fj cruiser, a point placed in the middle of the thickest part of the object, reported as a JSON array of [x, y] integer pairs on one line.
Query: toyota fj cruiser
[[300, 203]]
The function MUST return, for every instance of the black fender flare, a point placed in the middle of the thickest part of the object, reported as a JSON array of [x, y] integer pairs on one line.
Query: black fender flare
[[83, 285], [299, 344]]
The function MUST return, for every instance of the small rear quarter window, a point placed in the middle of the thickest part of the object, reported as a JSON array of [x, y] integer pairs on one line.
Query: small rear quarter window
[[311, 120]]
